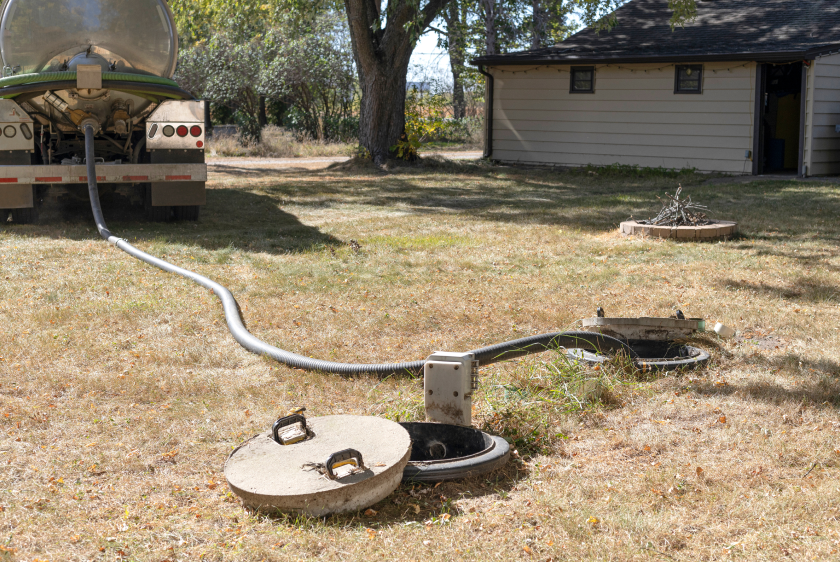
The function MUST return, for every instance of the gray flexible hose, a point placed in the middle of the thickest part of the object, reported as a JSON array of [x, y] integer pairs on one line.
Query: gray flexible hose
[[485, 355]]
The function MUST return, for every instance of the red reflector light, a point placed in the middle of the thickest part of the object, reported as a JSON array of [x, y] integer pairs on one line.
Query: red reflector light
[[199, 144], [195, 131], [182, 131]]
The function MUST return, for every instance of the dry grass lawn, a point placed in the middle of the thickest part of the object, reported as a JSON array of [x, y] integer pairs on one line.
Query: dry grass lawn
[[122, 393]]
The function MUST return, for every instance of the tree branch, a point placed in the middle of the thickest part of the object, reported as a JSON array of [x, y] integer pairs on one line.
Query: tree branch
[[431, 11], [402, 14], [361, 15]]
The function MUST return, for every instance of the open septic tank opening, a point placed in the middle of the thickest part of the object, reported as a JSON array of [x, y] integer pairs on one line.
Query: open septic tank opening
[[656, 341], [442, 451]]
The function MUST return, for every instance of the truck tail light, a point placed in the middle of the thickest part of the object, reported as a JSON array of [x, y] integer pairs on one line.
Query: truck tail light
[[168, 131], [195, 131], [153, 130], [182, 131]]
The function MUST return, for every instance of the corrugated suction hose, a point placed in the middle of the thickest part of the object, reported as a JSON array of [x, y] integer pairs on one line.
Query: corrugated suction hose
[[485, 355]]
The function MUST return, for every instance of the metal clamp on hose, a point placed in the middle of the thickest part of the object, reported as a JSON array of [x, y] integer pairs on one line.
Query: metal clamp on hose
[[292, 434], [343, 458]]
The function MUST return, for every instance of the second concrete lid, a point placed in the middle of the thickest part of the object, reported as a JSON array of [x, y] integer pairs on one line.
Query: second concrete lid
[[661, 329]]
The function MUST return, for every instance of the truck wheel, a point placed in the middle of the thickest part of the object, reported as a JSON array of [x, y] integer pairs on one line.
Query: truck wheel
[[187, 212], [25, 216], [156, 214]]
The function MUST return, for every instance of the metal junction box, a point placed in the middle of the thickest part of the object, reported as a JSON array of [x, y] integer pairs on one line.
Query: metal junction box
[[449, 380]]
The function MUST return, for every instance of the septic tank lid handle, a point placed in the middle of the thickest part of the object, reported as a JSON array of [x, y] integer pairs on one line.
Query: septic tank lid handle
[[341, 458], [285, 422]]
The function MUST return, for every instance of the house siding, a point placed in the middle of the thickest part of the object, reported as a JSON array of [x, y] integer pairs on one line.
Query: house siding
[[824, 105], [633, 118]]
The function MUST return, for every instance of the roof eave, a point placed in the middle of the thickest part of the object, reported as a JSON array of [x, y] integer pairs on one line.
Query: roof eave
[[765, 56]]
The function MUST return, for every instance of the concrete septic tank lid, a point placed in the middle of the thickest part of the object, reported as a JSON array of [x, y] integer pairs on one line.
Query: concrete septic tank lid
[[644, 328], [270, 477], [713, 231]]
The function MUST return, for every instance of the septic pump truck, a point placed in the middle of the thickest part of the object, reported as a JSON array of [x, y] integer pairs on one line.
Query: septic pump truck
[[105, 64]]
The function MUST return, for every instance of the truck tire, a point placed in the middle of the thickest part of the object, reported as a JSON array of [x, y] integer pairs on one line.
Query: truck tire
[[25, 216], [187, 212], [156, 214]]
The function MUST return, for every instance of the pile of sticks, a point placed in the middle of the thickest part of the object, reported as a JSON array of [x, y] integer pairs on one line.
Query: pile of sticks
[[679, 212]]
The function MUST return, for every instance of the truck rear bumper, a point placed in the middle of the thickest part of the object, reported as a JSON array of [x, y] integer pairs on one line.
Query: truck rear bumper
[[105, 173]]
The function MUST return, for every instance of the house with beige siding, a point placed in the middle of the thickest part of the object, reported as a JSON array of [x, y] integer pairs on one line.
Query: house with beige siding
[[747, 87]]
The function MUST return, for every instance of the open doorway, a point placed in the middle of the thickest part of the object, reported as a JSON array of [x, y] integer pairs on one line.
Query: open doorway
[[779, 134]]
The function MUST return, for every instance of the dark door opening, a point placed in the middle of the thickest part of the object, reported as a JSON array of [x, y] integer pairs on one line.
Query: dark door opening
[[779, 126]]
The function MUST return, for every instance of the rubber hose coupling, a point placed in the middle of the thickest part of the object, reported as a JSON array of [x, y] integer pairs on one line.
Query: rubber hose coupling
[[91, 122]]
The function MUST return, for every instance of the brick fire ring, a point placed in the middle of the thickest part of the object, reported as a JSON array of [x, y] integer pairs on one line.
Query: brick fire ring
[[713, 231]]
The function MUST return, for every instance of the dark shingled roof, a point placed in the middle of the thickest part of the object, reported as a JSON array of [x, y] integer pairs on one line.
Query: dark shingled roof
[[724, 30]]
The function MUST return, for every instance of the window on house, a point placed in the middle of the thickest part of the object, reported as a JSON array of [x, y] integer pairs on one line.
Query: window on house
[[689, 79], [583, 80]]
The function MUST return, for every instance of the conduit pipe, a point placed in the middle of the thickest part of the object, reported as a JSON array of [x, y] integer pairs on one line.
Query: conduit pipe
[[491, 86], [485, 355]]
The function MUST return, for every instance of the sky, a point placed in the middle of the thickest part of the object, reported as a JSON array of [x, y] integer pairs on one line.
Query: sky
[[429, 58]]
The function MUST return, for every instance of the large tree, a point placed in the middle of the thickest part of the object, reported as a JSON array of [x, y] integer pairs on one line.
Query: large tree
[[383, 41]]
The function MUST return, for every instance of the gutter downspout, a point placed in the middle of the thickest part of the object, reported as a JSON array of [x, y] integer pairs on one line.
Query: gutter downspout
[[488, 114], [803, 116]]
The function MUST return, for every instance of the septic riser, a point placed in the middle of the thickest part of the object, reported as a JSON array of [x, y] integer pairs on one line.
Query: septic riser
[[270, 477]]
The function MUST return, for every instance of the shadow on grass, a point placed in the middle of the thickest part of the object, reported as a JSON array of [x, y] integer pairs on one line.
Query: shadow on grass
[[571, 198], [823, 392], [250, 215], [803, 290], [232, 219], [424, 503]]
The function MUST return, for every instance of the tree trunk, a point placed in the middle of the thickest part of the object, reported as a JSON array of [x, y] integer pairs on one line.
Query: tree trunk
[[263, 117], [455, 38], [382, 54], [382, 107], [539, 22], [489, 9]]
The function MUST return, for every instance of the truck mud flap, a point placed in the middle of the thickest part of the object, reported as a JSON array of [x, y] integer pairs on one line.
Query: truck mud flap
[[16, 196], [178, 193]]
